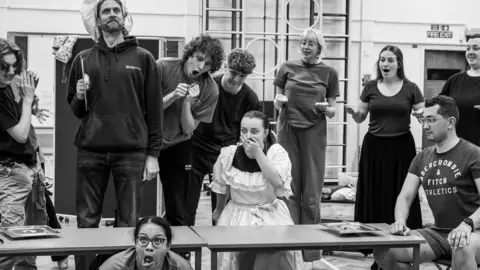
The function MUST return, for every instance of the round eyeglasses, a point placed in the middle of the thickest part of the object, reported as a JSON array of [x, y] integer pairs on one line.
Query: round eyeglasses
[[428, 121], [157, 242]]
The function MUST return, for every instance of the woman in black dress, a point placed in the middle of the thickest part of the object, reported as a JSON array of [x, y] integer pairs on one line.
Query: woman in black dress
[[464, 87], [388, 147]]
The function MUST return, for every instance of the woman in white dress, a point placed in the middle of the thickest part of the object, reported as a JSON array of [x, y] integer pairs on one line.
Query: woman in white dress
[[255, 173]]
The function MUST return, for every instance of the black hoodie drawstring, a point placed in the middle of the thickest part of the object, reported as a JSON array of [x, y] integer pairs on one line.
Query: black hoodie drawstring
[[115, 50], [108, 65], [102, 46]]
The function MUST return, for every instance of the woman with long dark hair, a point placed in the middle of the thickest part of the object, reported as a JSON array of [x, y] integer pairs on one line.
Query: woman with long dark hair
[[254, 173], [388, 147]]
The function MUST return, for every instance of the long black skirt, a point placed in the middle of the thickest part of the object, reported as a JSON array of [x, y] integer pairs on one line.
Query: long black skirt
[[384, 164]]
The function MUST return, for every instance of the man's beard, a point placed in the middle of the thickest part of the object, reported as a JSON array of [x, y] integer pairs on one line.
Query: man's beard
[[111, 29]]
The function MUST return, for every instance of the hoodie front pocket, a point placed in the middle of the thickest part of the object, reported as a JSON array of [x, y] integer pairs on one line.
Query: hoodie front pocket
[[111, 133]]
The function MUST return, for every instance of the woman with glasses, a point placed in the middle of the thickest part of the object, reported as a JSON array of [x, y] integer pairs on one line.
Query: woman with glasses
[[153, 237], [388, 147], [464, 87]]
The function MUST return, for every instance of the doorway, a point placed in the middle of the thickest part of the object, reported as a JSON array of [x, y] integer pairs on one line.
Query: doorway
[[439, 66]]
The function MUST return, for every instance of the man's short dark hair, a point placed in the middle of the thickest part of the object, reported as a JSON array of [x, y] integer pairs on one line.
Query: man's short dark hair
[[447, 106], [241, 60], [473, 36], [212, 48], [7, 47]]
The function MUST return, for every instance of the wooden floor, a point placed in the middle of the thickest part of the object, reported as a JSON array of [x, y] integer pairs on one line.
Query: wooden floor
[[341, 260]]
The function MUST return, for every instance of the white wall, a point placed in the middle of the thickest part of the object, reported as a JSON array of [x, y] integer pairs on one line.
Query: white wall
[[376, 23], [44, 65], [171, 18]]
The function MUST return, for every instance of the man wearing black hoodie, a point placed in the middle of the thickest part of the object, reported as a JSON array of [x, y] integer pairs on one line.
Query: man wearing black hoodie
[[120, 105]]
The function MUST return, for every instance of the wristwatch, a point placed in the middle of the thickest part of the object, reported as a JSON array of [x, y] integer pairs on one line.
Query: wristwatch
[[469, 222]]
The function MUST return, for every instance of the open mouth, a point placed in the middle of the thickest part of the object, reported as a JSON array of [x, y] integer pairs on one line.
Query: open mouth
[[147, 261], [386, 70], [195, 72]]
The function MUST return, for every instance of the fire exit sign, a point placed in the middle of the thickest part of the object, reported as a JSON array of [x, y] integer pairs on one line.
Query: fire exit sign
[[439, 31]]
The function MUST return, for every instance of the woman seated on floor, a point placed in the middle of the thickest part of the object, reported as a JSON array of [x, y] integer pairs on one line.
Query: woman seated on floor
[[152, 237]]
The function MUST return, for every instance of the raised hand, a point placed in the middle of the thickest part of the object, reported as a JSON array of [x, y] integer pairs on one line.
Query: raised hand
[[193, 92], [181, 90], [26, 86], [251, 146], [42, 115]]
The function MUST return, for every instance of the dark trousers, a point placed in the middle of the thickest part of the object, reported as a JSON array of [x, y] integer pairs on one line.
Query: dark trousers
[[53, 222], [93, 173], [175, 168], [52, 217], [306, 148], [202, 164]]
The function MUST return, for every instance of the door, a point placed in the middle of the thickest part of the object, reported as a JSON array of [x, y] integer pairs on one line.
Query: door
[[439, 66], [66, 125]]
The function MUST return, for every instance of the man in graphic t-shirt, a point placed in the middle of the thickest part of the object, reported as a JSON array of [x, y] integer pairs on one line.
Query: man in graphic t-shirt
[[449, 172]]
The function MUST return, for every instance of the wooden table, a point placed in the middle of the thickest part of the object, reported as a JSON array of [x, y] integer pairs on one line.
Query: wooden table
[[75, 241], [241, 238]]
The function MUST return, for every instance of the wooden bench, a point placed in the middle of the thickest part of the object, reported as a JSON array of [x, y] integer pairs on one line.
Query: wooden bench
[[73, 241], [296, 237]]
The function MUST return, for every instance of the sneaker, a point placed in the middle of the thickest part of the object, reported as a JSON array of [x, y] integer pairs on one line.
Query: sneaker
[[63, 264]]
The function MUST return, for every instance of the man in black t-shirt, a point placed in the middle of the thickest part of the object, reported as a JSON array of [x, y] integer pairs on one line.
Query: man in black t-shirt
[[21, 177], [449, 172], [235, 99]]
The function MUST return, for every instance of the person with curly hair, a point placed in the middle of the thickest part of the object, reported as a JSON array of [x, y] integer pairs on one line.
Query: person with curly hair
[[235, 99], [189, 98]]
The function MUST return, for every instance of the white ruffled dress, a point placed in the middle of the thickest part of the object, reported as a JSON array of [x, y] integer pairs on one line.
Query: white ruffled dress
[[254, 202]]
